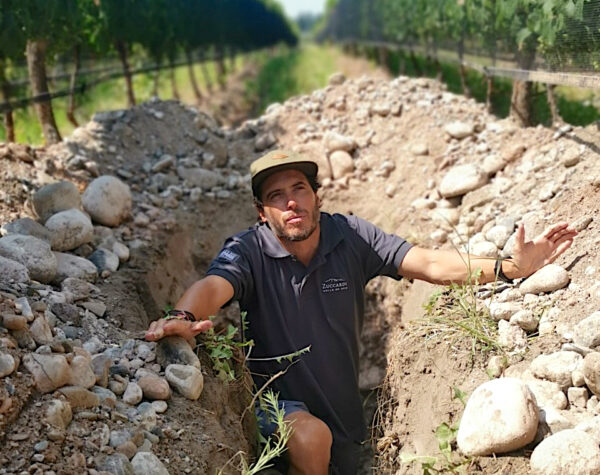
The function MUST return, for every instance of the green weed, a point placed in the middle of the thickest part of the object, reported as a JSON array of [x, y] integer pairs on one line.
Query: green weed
[[274, 446]]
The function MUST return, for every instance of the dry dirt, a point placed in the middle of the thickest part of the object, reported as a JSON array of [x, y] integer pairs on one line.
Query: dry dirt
[[415, 375]]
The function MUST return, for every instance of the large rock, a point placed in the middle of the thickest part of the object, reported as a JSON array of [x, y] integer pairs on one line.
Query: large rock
[[587, 331], [12, 271], [7, 364], [70, 229], [547, 394], [591, 372], [186, 379], [571, 452], [146, 463], [501, 415], [56, 197], [107, 200], [175, 350], [462, 179], [557, 367], [41, 331], [82, 373], [80, 397], [70, 265], [27, 227], [548, 279], [49, 372], [341, 164], [511, 336], [35, 254]]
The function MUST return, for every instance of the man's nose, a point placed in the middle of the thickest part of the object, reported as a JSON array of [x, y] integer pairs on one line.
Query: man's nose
[[291, 204]]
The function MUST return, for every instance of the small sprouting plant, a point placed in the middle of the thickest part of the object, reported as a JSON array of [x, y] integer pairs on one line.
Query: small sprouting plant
[[222, 347], [449, 461]]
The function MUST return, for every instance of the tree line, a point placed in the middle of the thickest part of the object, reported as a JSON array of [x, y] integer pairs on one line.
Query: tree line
[[563, 34], [39, 30]]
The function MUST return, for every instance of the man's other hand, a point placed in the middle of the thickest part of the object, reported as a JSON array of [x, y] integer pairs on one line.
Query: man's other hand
[[175, 327], [530, 256]]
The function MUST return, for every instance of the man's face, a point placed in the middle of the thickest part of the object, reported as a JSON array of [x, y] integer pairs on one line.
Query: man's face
[[290, 206]]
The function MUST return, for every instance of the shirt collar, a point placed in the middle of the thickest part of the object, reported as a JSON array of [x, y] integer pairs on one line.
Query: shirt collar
[[330, 237]]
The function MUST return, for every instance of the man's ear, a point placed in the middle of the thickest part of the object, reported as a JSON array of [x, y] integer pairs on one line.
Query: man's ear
[[261, 212]]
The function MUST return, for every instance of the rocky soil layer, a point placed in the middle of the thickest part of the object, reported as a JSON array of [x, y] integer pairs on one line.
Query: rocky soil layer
[[104, 230]]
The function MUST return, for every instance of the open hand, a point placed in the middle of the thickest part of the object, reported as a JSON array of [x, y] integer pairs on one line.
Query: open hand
[[530, 256], [162, 327]]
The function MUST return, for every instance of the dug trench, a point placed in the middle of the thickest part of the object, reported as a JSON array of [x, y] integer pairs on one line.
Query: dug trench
[[386, 150]]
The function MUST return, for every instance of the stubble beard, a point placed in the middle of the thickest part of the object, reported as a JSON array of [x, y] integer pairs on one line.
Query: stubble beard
[[296, 235]]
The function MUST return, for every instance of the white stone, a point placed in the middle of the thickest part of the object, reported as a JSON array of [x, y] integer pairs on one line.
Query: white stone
[[548, 279], [556, 367], [462, 179], [185, 379], [70, 265], [511, 336], [70, 229], [591, 426], [146, 463], [133, 394], [547, 394], [7, 364], [107, 200], [501, 416], [587, 331], [578, 397], [571, 452], [35, 254], [49, 372], [504, 310], [199, 177], [498, 235], [525, 319], [460, 130], [342, 164]]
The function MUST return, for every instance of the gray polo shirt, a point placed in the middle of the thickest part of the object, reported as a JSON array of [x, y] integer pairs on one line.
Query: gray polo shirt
[[290, 306]]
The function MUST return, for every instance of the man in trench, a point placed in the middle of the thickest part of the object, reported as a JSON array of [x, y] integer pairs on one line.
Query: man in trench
[[300, 275]]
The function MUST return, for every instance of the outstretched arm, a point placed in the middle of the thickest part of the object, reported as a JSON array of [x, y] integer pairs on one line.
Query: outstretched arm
[[203, 299], [446, 267]]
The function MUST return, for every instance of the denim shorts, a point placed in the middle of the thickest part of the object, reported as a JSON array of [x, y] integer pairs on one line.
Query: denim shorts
[[266, 422]]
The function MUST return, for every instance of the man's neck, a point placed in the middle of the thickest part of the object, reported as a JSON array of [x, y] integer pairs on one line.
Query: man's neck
[[303, 250]]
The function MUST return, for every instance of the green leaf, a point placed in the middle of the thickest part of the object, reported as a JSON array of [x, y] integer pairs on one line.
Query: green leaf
[[523, 35], [460, 395]]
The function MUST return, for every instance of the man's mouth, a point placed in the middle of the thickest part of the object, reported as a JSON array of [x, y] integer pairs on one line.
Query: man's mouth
[[294, 219]]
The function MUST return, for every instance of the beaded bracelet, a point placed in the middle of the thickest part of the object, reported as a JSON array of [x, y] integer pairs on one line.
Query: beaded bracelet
[[176, 314]]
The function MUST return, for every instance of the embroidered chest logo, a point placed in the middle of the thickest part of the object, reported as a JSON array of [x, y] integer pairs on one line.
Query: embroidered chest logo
[[334, 285]]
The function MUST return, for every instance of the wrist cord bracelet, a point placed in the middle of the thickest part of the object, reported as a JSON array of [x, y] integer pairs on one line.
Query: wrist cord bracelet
[[176, 314], [500, 274]]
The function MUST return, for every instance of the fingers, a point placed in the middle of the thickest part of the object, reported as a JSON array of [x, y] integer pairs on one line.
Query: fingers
[[566, 244], [520, 237], [555, 228], [161, 328]]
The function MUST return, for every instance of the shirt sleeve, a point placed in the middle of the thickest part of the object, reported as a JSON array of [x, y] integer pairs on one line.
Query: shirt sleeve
[[233, 264], [385, 252]]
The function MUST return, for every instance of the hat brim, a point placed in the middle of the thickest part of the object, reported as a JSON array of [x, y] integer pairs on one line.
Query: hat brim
[[310, 169]]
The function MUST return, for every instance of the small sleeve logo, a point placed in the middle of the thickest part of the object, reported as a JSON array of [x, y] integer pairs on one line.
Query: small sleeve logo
[[228, 255]]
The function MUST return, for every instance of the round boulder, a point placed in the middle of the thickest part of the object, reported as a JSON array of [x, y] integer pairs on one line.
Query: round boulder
[[70, 229], [107, 200], [569, 451], [341, 164], [461, 180], [35, 254], [501, 416], [548, 279], [56, 197]]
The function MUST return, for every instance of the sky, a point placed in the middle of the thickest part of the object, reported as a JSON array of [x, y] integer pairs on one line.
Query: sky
[[294, 7]]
